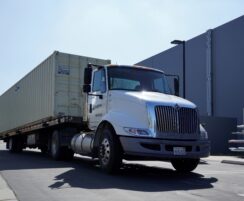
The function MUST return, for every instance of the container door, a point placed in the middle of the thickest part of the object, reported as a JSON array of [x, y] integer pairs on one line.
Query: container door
[[97, 99]]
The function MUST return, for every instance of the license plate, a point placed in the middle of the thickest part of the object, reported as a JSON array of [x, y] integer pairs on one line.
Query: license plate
[[179, 151]]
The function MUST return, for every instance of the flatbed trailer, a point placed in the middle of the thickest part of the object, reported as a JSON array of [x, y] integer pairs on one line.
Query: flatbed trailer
[[47, 123]]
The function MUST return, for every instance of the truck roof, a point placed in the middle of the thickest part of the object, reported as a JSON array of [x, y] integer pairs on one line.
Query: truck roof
[[134, 66]]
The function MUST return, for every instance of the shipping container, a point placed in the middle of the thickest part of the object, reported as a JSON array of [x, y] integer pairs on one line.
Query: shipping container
[[52, 89]]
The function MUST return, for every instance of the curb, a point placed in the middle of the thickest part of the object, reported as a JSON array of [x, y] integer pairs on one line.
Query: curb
[[5, 192], [224, 159], [233, 162]]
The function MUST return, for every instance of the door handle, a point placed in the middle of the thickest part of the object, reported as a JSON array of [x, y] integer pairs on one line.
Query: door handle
[[90, 108], [98, 95]]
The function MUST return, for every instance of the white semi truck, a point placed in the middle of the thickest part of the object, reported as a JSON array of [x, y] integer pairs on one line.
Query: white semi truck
[[109, 112]]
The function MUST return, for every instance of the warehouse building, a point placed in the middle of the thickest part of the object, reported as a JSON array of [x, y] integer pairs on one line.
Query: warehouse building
[[214, 77]]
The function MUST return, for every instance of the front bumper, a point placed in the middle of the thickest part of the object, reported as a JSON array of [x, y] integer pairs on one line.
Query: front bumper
[[163, 149]]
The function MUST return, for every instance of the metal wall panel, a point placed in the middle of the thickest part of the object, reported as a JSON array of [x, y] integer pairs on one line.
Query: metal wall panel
[[219, 132], [227, 69], [196, 73], [53, 88]]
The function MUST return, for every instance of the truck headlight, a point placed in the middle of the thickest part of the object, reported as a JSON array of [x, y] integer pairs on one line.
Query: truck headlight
[[137, 131], [203, 133]]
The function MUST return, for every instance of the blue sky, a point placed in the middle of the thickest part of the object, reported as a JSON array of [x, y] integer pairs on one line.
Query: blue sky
[[125, 31]]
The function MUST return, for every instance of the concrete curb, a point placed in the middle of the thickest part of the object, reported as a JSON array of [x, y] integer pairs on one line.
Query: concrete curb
[[233, 162], [5, 192]]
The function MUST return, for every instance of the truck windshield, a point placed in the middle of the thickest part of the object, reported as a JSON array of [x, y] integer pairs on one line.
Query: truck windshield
[[136, 79]]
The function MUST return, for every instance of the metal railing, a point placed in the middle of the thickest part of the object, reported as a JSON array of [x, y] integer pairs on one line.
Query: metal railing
[[237, 143]]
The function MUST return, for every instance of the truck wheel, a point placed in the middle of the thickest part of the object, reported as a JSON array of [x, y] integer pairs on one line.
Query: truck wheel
[[57, 151], [15, 145], [110, 151], [55, 146], [185, 165]]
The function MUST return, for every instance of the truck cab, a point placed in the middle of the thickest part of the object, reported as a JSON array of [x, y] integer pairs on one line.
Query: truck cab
[[135, 115]]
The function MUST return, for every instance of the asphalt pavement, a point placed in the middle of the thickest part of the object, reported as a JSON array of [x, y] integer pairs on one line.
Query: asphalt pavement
[[33, 176], [6, 194]]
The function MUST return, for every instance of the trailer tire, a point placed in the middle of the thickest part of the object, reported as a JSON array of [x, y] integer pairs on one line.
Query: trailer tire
[[109, 151], [15, 145], [185, 165], [59, 152], [55, 146]]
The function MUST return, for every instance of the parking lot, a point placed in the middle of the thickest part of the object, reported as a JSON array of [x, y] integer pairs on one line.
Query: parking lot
[[33, 176]]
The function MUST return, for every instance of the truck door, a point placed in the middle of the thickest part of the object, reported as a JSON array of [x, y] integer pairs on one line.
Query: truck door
[[97, 99]]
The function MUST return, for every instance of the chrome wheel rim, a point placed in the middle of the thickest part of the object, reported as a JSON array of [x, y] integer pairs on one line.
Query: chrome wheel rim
[[105, 151]]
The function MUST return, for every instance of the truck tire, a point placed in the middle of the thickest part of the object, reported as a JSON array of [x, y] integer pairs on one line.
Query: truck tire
[[109, 151], [15, 145], [185, 165], [57, 151], [55, 146]]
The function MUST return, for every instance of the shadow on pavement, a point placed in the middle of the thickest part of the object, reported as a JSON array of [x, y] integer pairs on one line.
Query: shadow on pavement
[[85, 173]]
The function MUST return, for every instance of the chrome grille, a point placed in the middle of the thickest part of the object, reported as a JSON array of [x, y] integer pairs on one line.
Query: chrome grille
[[176, 120]]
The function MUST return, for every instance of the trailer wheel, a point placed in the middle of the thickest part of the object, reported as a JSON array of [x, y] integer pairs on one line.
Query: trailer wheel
[[15, 145], [185, 165], [59, 152], [110, 151], [55, 146]]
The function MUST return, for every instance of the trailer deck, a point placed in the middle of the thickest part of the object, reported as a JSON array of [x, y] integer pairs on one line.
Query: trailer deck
[[43, 123]]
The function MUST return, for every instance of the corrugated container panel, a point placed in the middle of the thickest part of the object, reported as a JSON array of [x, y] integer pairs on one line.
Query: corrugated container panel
[[69, 82], [53, 88], [30, 99]]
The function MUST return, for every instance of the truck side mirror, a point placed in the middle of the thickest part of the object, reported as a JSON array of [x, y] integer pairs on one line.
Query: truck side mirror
[[176, 86], [86, 88], [87, 76]]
